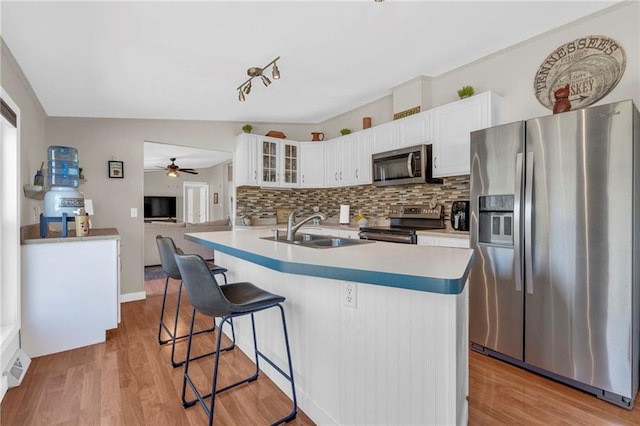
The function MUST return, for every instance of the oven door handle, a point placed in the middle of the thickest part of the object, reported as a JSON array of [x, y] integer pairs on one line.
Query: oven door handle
[[407, 239], [410, 164]]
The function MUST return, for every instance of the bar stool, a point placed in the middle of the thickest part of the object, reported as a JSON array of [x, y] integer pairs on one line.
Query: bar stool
[[227, 302], [168, 249]]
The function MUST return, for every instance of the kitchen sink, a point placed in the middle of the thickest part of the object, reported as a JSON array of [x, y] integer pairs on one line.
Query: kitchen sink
[[319, 241]]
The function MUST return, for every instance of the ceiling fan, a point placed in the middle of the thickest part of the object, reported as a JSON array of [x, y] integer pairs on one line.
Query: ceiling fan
[[172, 169]]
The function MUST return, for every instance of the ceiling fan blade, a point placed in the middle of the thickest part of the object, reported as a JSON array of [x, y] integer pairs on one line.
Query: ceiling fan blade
[[190, 171]]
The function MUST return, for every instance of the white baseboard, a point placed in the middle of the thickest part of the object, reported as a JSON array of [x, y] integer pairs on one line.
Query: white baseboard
[[132, 297]]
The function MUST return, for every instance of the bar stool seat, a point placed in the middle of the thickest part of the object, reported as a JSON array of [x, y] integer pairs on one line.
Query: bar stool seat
[[167, 250], [227, 302]]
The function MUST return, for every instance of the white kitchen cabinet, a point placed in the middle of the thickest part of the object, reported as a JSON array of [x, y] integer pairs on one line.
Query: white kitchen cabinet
[[348, 160], [70, 291], [245, 159], [452, 125], [278, 163], [312, 164], [358, 170], [338, 154], [430, 240], [414, 129], [383, 137]]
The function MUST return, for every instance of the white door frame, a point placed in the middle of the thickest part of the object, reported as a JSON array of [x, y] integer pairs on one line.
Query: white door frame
[[187, 196]]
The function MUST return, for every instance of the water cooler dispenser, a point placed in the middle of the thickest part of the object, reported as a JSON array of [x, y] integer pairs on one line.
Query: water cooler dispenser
[[63, 201]]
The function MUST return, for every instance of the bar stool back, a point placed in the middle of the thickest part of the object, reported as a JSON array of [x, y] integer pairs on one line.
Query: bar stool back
[[227, 302], [167, 250]]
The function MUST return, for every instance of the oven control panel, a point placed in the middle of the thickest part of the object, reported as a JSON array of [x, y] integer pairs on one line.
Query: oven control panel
[[418, 212]]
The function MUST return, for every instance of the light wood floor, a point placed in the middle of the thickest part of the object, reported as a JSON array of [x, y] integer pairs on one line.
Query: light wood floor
[[129, 381]]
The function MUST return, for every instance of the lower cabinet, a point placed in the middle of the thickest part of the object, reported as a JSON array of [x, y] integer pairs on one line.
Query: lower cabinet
[[429, 240], [70, 294]]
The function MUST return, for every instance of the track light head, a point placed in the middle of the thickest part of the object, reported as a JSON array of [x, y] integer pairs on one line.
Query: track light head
[[253, 72]]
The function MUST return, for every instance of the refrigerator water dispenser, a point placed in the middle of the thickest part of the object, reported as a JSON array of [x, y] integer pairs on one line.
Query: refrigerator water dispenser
[[495, 221]]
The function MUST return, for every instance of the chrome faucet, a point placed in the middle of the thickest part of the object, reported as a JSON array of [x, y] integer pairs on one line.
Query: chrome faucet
[[292, 228]]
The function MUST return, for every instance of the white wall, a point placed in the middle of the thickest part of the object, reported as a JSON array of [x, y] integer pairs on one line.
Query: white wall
[[510, 72]]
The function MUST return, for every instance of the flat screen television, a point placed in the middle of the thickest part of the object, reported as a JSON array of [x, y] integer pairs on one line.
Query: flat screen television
[[159, 207]]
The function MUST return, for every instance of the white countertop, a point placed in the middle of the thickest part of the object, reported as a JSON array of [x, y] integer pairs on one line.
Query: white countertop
[[30, 234], [424, 268]]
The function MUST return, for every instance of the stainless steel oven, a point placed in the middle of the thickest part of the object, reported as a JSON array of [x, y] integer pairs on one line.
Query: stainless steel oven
[[404, 222]]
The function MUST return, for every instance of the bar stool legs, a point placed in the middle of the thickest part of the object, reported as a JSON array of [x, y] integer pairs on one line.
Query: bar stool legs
[[173, 334], [209, 409]]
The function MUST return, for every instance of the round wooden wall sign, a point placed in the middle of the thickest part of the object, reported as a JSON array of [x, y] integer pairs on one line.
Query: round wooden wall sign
[[592, 66]]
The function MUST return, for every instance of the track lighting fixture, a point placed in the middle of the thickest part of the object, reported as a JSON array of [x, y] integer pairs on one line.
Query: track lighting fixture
[[245, 87]]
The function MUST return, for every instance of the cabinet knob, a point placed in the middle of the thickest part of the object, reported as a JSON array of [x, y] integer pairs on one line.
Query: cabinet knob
[[335, 176], [356, 173], [340, 175]]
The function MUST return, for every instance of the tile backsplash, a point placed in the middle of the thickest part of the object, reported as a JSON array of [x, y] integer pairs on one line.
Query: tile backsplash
[[373, 201]]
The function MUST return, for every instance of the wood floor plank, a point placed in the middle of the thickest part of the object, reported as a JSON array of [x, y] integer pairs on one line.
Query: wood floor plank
[[128, 380]]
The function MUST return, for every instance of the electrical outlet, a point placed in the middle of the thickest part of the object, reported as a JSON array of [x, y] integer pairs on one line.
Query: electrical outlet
[[349, 294]]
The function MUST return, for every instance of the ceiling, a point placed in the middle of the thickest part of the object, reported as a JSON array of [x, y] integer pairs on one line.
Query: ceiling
[[184, 60], [156, 157]]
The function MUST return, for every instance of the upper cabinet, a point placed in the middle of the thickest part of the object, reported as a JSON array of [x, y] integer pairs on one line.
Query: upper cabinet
[[452, 125], [383, 137], [312, 164], [265, 161], [414, 129], [278, 162], [245, 159], [346, 160]]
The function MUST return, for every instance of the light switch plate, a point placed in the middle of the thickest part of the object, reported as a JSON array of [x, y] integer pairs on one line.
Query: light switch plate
[[134, 212]]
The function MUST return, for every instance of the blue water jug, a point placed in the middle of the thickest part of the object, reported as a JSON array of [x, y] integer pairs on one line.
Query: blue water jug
[[62, 166]]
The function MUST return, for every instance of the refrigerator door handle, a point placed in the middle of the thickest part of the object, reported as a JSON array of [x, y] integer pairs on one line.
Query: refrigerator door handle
[[516, 222], [528, 223]]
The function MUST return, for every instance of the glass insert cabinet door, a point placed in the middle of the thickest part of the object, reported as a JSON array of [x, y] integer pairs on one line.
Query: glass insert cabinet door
[[290, 168], [269, 161], [279, 162]]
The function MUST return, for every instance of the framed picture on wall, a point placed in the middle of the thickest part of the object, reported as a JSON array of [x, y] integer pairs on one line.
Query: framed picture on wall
[[116, 169]]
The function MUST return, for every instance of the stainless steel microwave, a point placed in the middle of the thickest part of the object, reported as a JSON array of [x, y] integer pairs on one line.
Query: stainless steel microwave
[[403, 166]]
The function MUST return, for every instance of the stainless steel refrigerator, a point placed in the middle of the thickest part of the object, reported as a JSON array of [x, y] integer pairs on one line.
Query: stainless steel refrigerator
[[555, 225]]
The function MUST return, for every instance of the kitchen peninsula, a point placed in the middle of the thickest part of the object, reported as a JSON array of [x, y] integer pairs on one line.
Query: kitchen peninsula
[[392, 351]]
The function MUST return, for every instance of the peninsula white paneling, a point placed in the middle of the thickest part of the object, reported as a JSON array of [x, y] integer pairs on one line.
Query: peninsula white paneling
[[398, 357]]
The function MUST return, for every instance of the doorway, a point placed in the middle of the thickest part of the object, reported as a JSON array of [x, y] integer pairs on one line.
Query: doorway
[[196, 202]]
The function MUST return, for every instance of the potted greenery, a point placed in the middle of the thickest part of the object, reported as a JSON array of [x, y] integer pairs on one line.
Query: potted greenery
[[345, 131], [247, 128], [466, 91]]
